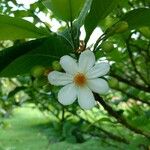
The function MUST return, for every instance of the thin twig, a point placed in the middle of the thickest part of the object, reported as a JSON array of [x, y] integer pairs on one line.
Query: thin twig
[[98, 41], [36, 16]]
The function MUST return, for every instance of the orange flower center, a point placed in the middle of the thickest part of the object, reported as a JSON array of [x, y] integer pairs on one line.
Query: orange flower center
[[80, 79]]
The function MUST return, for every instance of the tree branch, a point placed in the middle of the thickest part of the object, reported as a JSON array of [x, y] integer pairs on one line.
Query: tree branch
[[118, 117], [132, 96], [136, 85], [133, 62]]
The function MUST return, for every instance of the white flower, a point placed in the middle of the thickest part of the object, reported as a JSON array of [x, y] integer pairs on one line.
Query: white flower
[[80, 79]]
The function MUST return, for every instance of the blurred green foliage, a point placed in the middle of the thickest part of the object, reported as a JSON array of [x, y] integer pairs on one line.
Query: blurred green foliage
[[27, 45]]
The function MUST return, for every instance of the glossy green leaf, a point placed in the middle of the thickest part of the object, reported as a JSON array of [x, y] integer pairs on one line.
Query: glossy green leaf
[[38, 52], [12, 28], [137, 18], [9, 54], [66, 10], [99, 10], [22, 13], [83, 13]]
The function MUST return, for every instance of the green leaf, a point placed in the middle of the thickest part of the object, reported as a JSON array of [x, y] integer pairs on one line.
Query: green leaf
[[38, 52], [104, 119], [99, 10], [12, 28], [22, 13], [83, 13], [9, 54], [115, 55], [138, 18], [66, 10]]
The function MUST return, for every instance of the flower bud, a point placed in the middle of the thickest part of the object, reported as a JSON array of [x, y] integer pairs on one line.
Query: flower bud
[[145, 31], [37, 71], [107, 46], [123, 86], [121, 27], [114, 83], [56, 66]]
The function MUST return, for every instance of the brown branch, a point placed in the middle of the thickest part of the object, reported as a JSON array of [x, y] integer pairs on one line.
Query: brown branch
[[133, 62], [132, 96], [125, 80], [118, 117]]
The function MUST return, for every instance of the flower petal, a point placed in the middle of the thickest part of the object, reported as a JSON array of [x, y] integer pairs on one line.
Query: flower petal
[[86, 98], [69, 64], [67, 95], [58, 78], [86, 60], [98, 85], [98, 70]]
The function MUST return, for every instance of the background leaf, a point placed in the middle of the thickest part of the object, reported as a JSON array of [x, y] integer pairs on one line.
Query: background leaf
[[99, 10], [66, 10], [12, 28], [137, 18], [83, 13], [38, 52]]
